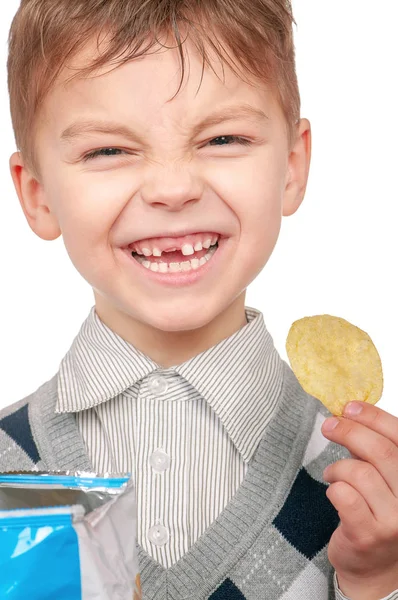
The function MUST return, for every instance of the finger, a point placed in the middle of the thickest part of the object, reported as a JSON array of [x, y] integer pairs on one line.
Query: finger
[[375, 418], [367, 481], [368, 445], [357, 521]]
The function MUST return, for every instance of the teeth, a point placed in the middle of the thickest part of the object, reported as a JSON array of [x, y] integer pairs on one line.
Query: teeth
[[187, 249], [193, 264]]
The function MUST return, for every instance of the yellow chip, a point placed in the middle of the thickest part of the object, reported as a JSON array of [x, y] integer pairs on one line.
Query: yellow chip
[[137, 593], [334, 361]]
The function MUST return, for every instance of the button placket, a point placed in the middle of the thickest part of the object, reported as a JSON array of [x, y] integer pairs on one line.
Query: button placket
[[160, 461]]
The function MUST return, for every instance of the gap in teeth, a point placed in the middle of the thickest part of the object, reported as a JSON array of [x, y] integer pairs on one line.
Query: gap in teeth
[[163, 267]]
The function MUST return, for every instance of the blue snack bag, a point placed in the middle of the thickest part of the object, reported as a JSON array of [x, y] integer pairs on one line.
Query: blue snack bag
[[39, 554], [67, 537]]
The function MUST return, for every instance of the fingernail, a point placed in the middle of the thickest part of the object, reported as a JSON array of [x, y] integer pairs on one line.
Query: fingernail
[[330, 424], [353, 408]]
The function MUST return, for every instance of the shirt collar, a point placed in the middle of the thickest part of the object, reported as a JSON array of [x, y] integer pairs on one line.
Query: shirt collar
[[100, 365]]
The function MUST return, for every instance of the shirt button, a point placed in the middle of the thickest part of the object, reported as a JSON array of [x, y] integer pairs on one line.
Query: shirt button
[[159, 461], [158, 385], [158, 535]]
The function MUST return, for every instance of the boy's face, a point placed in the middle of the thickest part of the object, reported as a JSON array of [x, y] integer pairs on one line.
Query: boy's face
[[171, 176]]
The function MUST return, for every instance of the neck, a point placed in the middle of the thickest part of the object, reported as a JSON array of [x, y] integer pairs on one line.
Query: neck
[[170, 348]]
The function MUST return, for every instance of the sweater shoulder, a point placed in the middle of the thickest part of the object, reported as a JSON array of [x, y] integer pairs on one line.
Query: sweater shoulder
[[18, 447]]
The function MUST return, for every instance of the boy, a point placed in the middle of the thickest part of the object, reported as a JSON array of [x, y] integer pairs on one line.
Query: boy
[[169, 194]]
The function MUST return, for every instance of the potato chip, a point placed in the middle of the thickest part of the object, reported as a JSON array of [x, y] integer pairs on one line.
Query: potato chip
[[334, 361], [138, 593]]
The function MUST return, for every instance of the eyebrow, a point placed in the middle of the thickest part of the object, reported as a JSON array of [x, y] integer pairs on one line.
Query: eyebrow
[[231, 113]]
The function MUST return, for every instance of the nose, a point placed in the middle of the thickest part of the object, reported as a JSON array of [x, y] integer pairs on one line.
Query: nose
[[171, 186]]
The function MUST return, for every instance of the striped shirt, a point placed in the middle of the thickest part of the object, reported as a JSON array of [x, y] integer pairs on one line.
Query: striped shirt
[[185, 433]]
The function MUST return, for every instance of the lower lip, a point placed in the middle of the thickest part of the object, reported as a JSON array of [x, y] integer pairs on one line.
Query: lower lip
[[183, 277]]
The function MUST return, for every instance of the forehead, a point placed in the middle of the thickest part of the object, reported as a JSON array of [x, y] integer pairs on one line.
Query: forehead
[[148, 86]]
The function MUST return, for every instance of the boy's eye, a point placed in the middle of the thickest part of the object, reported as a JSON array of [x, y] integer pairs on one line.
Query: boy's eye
[[223, 140], [101, 152]]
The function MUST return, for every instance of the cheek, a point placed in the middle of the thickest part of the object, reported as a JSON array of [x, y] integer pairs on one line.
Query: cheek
[[86, 211], [257, 199], [86, 220]]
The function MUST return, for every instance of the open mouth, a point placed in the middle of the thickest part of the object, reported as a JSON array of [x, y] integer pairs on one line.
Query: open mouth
[[175, 261]]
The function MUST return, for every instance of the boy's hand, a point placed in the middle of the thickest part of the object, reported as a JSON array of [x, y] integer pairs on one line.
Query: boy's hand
[[364, 490]]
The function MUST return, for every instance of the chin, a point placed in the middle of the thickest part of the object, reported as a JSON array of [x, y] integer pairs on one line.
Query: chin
[[178, 320]]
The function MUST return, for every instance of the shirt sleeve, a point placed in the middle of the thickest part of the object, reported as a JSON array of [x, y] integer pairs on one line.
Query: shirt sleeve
[[340, 596]]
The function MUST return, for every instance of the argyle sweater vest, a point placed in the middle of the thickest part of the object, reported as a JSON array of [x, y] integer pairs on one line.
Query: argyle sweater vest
[[270, 541]]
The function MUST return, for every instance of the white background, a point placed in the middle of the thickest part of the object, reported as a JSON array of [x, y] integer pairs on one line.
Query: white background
[[336, 255]]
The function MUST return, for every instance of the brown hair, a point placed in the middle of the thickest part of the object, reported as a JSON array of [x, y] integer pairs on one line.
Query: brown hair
[[45, 34]]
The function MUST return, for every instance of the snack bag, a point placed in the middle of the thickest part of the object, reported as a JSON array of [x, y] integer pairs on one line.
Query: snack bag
[[67, 537]]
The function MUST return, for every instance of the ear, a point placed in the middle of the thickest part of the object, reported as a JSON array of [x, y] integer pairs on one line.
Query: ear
[[32, 199], [298, 169]]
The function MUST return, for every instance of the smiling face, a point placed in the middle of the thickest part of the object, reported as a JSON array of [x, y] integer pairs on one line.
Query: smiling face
[[213, 164]]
